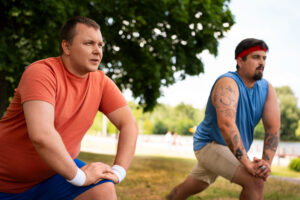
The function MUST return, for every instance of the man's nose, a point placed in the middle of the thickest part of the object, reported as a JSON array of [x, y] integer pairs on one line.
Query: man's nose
[[262, 61], [97, 49]]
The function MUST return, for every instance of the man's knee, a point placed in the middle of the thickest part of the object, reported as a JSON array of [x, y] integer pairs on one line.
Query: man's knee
[[190, 186], [255, 184], [104, 191]]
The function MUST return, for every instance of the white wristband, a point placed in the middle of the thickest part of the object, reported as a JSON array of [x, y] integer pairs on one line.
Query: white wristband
[[79, 179], [119, 171]]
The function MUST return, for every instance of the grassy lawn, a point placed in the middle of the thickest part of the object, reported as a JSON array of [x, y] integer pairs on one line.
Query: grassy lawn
[[284, 171], [151, 178]]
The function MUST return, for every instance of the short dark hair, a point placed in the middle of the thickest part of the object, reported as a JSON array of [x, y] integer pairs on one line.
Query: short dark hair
[[248, 43], [67, 31]]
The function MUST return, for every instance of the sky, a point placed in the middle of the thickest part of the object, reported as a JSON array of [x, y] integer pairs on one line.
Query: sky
[[276, 22]]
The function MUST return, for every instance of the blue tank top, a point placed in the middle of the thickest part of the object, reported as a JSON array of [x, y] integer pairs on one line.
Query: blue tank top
[[249, 111]]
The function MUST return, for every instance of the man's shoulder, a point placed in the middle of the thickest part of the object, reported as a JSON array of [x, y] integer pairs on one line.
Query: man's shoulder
[[45, 64], [228, 77], [45, 61]]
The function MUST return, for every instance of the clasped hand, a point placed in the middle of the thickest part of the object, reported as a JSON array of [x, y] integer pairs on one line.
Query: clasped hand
[[262, 168], [97, 171]]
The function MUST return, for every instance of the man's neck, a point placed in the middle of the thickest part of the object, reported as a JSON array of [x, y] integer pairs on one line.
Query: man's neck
[[249, 82], [68, 65]]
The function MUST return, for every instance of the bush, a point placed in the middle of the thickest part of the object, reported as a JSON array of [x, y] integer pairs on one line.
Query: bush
[[183, 126], [160, 127], [295, 164]]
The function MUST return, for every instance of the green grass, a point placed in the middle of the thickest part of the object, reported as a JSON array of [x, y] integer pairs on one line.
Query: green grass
[[152, 178], [284, 171]]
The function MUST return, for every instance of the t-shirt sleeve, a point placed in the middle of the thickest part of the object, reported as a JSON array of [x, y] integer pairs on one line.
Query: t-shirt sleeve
[[38, 83], [112, 98]]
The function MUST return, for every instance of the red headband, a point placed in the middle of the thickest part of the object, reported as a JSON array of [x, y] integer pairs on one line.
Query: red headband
[[251, 49]]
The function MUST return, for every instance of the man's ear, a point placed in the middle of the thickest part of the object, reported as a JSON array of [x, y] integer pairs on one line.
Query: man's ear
[[239, 61], [66, 47]]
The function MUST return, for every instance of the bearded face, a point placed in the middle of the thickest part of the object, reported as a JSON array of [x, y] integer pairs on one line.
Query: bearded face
[[258, 73]]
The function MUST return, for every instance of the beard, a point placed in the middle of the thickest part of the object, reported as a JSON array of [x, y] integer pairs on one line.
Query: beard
[[258, 75]]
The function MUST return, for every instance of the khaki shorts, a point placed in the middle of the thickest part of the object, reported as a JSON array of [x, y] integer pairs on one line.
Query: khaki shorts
[[213, 160]]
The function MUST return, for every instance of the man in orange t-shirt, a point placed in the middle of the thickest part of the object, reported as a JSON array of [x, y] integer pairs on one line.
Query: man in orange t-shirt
[[54, 105]]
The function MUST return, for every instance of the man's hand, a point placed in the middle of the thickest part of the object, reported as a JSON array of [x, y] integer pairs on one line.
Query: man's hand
[[251, 168], [263, 168], [115, 178], [97, 171]]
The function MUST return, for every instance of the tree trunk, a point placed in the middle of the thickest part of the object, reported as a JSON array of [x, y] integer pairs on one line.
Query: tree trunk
[[3, 93]]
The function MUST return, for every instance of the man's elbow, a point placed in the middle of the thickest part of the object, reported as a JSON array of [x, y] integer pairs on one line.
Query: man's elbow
[[225, 127], [135, 128], [39, 140], [130, 127], [273, 130]]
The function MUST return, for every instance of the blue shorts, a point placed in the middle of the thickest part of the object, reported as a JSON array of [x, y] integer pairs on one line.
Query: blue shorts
[[54, 188]]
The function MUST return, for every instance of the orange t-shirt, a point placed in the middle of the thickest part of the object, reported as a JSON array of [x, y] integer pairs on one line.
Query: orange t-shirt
[[76, 101]]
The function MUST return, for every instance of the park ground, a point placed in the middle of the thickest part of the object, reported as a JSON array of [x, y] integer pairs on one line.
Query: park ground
[[157, 168]]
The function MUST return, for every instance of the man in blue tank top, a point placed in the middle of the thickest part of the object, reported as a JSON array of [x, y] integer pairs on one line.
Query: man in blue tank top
[[237, 102]]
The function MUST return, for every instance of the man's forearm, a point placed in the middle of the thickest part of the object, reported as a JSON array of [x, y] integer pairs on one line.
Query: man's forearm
[[270, 145], [235, 144], [126, 145], [52, 150]]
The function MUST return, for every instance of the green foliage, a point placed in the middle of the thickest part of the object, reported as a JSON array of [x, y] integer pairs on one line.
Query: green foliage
[[111, 128], [160, 127], [97, 124], [289, 113], [167, 118], [298, 130], [148, 127], [259, 131], [295, 164], [164, 118], [146, 41], [183, 126]]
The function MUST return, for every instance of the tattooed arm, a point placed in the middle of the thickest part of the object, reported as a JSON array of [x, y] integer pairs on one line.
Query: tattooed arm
[[224, 98], [271, 121]]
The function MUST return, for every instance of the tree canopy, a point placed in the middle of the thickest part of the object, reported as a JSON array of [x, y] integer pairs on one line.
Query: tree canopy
[[146, 42], [163, 118], [289, 115], [289, 112]]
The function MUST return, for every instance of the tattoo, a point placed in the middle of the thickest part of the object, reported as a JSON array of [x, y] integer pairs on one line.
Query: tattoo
[[271, 141], [229, 89], [238, 154], [225, 101], [228, 113], [229, 144], [236, 139], [266, 156]]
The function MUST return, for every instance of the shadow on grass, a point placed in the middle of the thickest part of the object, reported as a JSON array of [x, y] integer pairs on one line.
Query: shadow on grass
[[152, 178]]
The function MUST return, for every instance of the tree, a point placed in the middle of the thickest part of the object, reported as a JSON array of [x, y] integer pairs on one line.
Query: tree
[[160, 127], [176, 119], [298, 130], [186, 117], [289, 112], [146, 41], [259, 131]]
